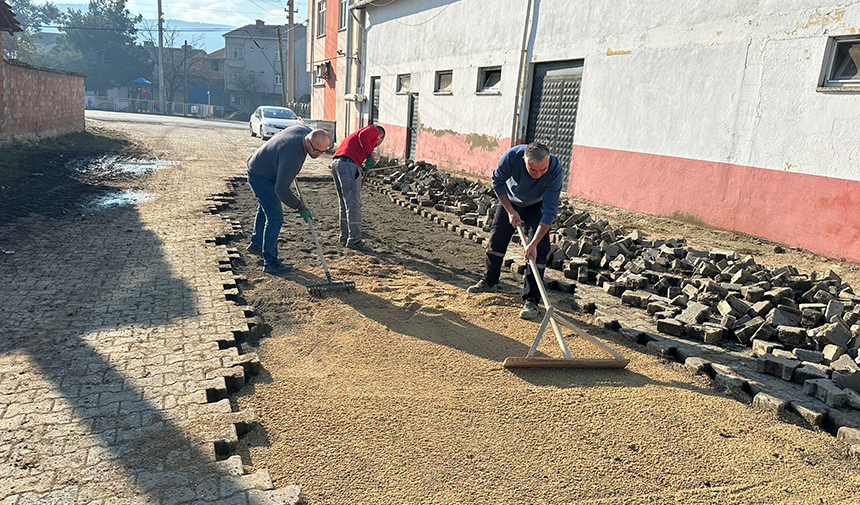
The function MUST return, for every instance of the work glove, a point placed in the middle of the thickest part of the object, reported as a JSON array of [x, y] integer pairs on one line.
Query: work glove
[[306, 215], [369, 163]]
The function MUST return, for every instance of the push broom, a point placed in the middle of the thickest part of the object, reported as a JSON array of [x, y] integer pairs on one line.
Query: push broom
[[555, 320], [328, 286]]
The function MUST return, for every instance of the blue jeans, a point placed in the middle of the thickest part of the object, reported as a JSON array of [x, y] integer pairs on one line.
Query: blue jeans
[[347, 183], [270, 217]]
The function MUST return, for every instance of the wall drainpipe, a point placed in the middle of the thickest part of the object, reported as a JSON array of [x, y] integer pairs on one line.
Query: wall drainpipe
[[528, 42]]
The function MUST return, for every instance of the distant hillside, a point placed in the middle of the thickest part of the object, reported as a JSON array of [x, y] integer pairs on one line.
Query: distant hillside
[[210, 40]]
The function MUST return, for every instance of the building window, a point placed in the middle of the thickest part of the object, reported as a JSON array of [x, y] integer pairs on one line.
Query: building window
[[444, 81], [238, 52], [321, 18], [489, 79], [843, 67], [277, 79], [344, 14], [404, 82]]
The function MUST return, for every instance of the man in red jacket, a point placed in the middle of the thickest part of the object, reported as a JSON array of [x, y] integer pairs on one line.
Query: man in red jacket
[[347, 173]]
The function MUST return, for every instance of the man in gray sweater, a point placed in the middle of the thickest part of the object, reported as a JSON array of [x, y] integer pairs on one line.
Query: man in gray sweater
[[271, 170]]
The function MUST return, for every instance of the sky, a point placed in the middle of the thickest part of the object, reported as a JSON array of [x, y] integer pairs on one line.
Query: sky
[[229, 14]]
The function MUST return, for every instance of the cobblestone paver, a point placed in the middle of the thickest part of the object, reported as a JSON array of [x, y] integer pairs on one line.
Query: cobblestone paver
[[117, 348]]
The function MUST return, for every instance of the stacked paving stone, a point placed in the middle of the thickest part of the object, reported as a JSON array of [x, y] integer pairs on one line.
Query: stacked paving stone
[[425, 185], [803, 327]]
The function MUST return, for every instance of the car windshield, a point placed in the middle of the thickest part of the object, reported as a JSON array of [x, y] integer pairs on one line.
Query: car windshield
[[279, 113]]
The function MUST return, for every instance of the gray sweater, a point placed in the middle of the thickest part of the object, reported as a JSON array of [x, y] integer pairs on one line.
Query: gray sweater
[[280, 160]]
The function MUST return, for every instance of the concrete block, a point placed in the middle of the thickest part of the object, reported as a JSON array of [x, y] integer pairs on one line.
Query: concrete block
[[697, 365], [809, 355], [694, 331], [695, 313], [737, 304], [831, 352], [662, 348], [791, 335], [784, 316], [680, 300], [807, 372], [761, 347], [812, 414], [826, 391], [728, 321], [810, 318], [714, 334], [670, 327], [762, 308], [764, 332], [752, 294], [732, 383], [848, 435], [770, 403], [846, 380], [845, 364], [834, 333], [852, 398], [776, 366], [745, 334]]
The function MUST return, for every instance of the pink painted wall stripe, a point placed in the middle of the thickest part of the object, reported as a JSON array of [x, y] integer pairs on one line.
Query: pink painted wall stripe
[[813, 212]]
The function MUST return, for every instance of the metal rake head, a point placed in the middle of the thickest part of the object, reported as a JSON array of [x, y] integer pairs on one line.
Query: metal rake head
[[332, 287]]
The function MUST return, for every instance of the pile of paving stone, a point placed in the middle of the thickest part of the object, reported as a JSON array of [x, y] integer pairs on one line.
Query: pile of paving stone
[[803, 327]]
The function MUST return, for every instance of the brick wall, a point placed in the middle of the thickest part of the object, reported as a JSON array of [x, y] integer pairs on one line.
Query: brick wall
[[39, 102]]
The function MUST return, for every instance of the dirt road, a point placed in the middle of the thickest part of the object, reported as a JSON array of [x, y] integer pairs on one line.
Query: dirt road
[[395, 394]]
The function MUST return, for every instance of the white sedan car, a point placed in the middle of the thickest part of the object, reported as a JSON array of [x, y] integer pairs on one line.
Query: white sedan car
[[268, 120]]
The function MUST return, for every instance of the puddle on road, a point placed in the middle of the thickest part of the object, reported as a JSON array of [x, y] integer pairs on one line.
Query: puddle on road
[[118, 199], [116, 166]]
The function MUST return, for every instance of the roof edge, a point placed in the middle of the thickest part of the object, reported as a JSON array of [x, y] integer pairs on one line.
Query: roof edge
[[361, 4]]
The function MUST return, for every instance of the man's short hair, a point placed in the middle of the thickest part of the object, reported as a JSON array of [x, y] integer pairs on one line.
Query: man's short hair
[[381, 130], [317, 134], [536, 152]]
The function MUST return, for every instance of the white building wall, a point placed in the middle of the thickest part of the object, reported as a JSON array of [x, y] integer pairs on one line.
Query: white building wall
[[731, 81], [686, 106], [422, 37]]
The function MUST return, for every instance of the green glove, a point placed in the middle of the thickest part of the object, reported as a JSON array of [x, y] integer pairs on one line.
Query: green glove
[[369, 163], [306, 215]]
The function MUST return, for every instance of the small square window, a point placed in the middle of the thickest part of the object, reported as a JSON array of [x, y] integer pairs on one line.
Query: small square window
[[444, 82], [489, 79], [844, 66], [404, 82], [238, 52]]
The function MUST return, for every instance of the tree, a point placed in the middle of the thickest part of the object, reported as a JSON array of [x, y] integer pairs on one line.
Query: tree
[[100, 43], [31, 17], [249, 87], [181, 63]]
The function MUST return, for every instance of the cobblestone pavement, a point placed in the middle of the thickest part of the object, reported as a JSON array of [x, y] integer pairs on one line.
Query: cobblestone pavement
[[118, 344]]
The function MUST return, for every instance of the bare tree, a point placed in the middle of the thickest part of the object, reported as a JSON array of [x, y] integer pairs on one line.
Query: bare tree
[[183, 60], [248, 84]]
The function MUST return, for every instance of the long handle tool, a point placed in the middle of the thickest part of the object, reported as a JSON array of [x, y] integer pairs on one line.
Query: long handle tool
[[553, 319], [329, 286]]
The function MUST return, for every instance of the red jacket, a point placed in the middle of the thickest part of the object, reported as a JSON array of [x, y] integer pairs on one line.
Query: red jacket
[[359, 145]]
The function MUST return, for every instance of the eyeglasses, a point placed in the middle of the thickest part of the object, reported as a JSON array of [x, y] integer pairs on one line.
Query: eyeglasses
[[314, 150]]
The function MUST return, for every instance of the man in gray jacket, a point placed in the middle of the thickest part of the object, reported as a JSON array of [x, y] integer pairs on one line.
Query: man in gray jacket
[[271, 170]]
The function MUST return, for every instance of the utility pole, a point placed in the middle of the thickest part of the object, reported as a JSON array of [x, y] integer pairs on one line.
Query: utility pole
[[161, 103], [291, 52], [283, 75], [185, 63]]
